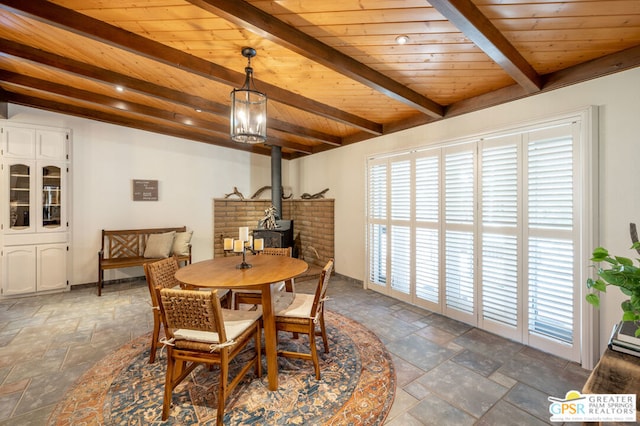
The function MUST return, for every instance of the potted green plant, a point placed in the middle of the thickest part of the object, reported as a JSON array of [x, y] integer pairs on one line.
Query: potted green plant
[[622, 273]]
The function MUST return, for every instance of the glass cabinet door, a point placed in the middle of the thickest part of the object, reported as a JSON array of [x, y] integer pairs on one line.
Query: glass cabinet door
[[51, 197], [20, 196]]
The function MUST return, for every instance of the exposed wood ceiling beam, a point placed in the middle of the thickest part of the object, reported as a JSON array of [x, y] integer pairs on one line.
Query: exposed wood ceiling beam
[[417, 120], [493, 98], [109, 102], [102, 75], [71, 74], [477, 27], [595, 68], [610, 64], [142, 111], [94, 29], [299, 148], [294, 129], [91, 114], [248, 16]]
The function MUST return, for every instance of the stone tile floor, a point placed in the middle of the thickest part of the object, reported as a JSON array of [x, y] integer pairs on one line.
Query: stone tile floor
[[448, 373]]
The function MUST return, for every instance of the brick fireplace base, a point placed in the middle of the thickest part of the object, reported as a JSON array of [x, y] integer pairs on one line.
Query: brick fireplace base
[[313, 226]]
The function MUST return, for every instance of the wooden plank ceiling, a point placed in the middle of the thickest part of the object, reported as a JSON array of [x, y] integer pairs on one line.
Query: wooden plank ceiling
[[332, 69]]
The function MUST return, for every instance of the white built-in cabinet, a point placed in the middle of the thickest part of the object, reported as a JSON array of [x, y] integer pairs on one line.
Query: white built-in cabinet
[[34, 207]]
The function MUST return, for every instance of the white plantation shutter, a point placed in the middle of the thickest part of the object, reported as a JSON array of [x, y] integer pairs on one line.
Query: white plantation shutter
[[377, 239], [378, 191], [459, 208], [500, 279], [487, 232], [427, 265], [401, 190], [500, 186], [401, 206], [427, 206], [551, 288], [377, 253], [499, 257], [459, 271], [550, 183], [459, 187], [427, 189], [401, 258]]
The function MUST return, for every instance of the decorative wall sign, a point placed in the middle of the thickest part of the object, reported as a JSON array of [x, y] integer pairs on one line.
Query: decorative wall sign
[[145, 190]]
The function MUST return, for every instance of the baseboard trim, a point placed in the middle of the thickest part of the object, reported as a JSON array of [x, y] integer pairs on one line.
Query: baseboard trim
[[116, 281]]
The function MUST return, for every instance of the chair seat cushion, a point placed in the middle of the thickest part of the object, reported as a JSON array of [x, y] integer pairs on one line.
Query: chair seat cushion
[[235, 323], [282, 300], [300, 307]]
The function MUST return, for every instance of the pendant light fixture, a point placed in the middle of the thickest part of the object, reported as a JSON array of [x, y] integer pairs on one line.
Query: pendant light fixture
[[248, 108]]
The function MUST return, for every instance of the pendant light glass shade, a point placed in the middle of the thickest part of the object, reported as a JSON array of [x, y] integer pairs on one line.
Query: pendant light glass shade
[[248, 108]]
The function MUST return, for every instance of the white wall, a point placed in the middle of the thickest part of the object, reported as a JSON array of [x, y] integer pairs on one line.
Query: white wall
[[618, 98], [105, 159]]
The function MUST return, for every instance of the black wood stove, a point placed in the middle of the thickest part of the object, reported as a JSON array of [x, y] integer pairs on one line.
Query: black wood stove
[[281, 236]]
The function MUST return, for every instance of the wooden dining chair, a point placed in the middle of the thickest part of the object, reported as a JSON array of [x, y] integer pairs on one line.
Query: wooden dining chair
[[161, 274], [200, 331], [302, 315], [254, 297]]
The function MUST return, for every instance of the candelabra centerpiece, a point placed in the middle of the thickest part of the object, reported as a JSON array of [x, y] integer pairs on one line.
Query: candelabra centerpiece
[[242, 244]]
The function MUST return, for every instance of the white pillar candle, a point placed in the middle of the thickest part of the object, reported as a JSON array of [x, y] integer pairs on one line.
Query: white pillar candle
[[228, 243], [243, 233], [250, 243], [258, 244], [238, 246]]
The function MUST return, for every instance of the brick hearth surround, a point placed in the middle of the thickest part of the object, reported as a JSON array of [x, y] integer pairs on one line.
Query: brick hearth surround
[[313, 224]]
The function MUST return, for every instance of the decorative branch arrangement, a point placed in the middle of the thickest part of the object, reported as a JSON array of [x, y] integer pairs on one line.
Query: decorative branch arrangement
[[264, 188], [236, 193], [305, 196]]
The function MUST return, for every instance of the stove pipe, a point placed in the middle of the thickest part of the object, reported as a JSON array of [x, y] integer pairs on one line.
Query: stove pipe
[[276, 179]]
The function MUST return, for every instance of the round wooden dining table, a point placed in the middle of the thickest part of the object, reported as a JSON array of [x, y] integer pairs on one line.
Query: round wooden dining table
[[221, 272]]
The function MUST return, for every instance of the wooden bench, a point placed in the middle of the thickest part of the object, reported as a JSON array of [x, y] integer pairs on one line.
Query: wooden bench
[[126, 248]]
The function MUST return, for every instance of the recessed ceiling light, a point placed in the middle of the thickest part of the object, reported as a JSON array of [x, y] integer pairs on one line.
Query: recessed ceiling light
[[198, 110], [119, 88], [402, 39]]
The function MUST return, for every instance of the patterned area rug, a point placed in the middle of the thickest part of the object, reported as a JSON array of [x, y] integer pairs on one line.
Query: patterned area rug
[[357, 387]]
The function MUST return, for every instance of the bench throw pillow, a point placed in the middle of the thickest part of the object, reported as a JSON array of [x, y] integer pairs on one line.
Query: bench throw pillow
[[181, 243], [159, 245]]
